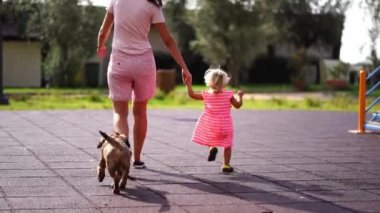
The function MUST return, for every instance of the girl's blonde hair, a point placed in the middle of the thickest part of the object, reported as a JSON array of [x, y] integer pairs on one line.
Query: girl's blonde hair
[[216, 78]]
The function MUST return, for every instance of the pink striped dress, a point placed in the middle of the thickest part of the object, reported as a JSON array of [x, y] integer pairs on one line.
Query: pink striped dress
[[215, 127]]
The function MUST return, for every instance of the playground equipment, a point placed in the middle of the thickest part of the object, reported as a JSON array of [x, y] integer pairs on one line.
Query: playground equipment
[[373, 124]]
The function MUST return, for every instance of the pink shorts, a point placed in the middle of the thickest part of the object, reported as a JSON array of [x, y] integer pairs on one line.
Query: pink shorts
[[131, 76]]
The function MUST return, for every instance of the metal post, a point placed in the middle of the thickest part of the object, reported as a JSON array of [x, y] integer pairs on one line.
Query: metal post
[[362, 101], [3, 98]]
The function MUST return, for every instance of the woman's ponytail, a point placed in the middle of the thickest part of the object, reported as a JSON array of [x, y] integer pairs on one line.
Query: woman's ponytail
[[158, 3]]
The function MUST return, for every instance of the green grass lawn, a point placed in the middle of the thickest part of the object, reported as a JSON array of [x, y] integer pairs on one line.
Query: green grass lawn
[[43, 99]]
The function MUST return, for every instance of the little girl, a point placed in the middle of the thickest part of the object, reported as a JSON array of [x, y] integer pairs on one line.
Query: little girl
[[214, 128]]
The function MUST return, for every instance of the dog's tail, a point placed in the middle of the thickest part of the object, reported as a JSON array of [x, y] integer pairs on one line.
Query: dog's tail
[[112, 141]]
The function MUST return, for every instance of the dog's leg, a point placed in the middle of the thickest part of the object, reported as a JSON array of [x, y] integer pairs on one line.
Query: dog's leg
[[116, 179], [101, 169], [124, 179], [126, 167]]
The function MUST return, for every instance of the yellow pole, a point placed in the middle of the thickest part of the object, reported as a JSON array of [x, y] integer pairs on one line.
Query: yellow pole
[[362, 100]]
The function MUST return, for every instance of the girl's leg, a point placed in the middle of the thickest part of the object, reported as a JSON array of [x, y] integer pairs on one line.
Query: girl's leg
[[212, 154], [120, 117], [139, 127], [227, 156]]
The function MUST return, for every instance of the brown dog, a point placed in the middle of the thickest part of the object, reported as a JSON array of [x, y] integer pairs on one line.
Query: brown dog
[[116, 156]]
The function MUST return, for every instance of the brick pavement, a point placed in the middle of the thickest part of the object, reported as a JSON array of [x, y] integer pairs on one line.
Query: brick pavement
[[285, 161]]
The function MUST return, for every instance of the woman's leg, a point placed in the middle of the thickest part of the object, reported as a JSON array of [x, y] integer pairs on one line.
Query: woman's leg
[[139, 127], [120, 117]]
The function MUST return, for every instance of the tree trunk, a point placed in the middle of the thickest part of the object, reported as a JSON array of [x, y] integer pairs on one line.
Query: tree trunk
[[233, 69]]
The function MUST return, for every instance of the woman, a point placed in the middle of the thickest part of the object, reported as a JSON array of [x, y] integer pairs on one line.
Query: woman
[[131, 71]]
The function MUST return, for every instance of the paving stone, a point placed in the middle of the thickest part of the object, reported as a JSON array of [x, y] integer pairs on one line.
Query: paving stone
[[349, 159], [66, 158], [14, 152], [37, 191], [225, 208], [362, 183], [76, 210], [347, 175], [17, 159], [316, 170], [143, 199], [200, 169], [149, 209], [73, 165], [205, 199], [105, 188], [32, 181], [49, 202], [253, 169], [278, 176], [185, 188], [305, 207], [295, 160], [29, 165], [364, 166], [357, 206], [3, 204], [320, 167], [167, 179], [27, 173], [344, 195], [314, 185], [77, 172], [275, 197]]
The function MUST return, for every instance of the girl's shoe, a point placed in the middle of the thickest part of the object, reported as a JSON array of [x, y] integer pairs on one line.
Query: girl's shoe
[[212, 155], [227, 169]]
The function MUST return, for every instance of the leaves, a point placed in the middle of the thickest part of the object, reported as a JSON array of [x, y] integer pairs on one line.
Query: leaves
[[66, 29]]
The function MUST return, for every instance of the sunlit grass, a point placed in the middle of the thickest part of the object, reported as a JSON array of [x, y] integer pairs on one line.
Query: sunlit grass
[[50, 99]]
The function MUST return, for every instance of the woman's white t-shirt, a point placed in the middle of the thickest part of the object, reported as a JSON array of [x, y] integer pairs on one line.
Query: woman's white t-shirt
[[132, 22]]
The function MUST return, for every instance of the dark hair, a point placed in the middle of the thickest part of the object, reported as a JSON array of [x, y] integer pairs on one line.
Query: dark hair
[[158, 3]]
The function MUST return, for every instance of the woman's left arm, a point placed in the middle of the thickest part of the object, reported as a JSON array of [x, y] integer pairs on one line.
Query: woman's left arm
[[171, 44]]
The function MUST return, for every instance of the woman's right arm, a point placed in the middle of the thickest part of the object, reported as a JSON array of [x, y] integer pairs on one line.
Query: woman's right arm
[[104, 32]]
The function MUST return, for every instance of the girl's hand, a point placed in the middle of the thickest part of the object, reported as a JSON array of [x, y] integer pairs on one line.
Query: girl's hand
[[101, 51], [240, 93]]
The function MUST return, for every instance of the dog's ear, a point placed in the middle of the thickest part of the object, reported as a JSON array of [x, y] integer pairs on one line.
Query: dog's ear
[[102, 140], [103, 134]]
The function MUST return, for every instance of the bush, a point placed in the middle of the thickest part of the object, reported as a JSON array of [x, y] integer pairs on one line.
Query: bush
[[163, 60], [267, 68]]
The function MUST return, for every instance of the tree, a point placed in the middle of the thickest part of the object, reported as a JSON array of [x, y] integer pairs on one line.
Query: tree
[[309, 22], [67, 31], [3, 99], [178, 18], [373, 8], [228, 33]]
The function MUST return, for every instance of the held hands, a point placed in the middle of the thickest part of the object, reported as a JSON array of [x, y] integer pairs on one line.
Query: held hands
[[186, 77], [240, 93]]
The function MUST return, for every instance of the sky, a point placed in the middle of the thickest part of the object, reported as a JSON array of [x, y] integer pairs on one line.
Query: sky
[[355, 43]]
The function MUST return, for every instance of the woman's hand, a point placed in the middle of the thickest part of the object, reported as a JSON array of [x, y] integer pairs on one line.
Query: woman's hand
[[101, 51], [186, 76]]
